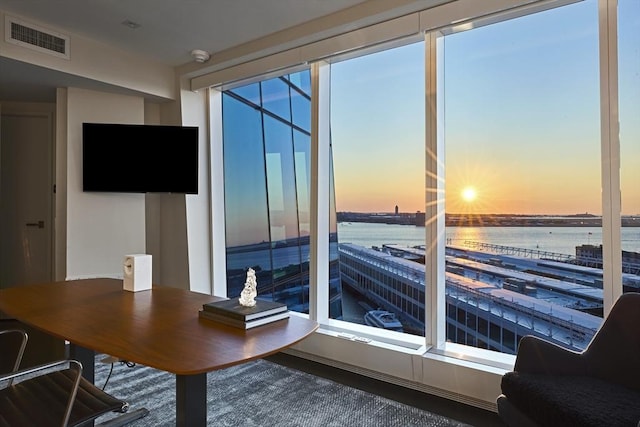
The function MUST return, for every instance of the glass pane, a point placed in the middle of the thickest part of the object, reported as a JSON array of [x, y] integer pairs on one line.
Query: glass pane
[[283, 214], [302, 161], [377, 133], [629, 93], [247, 226], [523, 181], [249, 92], [267, 192], [275, 98], [301, 110], [302, 81], [336, 310]]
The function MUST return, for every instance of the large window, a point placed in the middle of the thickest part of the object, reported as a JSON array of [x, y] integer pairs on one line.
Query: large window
[[266, 137], [377, 135], [518, 115], [523, 180]]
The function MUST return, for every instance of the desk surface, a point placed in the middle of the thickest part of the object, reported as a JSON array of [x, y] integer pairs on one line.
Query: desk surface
[[159, 328]]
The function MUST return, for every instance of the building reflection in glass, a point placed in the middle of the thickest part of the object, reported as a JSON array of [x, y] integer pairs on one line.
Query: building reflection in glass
[[266, 137]]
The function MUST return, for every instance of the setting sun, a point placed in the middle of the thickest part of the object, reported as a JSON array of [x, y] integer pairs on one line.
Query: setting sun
[[469, 194]]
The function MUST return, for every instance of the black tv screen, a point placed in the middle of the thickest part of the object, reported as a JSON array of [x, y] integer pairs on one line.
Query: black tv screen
[[123, 158]]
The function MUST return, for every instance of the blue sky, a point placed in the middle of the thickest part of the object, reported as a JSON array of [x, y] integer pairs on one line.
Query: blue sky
[[522, 119]]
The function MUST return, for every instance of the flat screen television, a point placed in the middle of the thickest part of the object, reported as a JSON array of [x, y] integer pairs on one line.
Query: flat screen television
[[125, 158]]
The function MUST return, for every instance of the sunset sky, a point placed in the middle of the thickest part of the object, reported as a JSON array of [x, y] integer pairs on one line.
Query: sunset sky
[[521, 114]]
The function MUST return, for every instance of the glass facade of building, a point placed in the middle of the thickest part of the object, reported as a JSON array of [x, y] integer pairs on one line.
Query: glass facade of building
[[267, 148]]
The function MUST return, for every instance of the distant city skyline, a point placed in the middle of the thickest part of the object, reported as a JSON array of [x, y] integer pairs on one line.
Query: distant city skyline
[[400, 211], [486, 219]]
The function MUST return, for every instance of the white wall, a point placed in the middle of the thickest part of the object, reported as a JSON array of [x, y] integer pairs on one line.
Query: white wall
[[152, 204], [95, 230], [177, 228], [101, 227], [194, 113]]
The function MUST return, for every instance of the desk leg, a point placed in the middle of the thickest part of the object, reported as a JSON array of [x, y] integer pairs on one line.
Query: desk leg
[[191, 400], [88, 359]]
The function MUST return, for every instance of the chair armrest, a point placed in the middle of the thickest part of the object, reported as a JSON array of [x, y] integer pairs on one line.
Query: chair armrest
[[537, 356], [15, 379], [41, 370]]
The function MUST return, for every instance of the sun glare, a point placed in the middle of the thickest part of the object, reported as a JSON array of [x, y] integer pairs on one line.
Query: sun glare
[[469, 194]]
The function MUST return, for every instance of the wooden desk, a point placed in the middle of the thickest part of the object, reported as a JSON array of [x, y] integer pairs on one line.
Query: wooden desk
[[159, 328]]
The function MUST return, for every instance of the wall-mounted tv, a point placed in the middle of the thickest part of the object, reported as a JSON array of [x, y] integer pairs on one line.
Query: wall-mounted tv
[[124, 158]]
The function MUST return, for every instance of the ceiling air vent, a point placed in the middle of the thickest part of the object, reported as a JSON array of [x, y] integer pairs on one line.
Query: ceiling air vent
[[33, 37]]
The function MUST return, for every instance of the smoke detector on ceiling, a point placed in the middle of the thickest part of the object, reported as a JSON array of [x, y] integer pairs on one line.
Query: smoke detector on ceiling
[[200, 55]]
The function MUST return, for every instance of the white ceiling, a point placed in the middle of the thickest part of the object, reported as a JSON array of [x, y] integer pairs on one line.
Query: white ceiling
[[169, 30]]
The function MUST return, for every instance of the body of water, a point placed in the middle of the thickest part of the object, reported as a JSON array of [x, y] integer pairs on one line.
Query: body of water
[[561, 240]]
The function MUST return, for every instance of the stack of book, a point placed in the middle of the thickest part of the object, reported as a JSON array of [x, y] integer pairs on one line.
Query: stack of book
[[231, 313]]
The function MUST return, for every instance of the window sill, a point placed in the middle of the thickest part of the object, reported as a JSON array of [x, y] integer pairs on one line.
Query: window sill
[[416, 345]]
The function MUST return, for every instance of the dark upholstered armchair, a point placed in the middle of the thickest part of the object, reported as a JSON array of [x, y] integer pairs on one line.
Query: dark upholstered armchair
[[600, 386]]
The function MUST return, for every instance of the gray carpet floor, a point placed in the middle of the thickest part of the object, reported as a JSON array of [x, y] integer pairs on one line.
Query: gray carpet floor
[[262, 393]]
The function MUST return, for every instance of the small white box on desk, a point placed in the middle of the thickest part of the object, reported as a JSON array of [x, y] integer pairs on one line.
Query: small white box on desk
[[137, 272]]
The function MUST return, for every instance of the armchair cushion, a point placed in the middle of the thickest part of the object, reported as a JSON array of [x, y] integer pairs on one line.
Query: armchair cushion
[[569, 400], [600, 386]]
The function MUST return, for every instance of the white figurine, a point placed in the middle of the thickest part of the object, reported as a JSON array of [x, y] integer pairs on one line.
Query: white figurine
[[248, 294]]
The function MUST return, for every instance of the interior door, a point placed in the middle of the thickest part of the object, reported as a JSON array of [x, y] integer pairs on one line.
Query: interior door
[[26, 198]]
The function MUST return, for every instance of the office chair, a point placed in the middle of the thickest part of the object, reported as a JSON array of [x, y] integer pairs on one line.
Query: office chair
[[52, 394]]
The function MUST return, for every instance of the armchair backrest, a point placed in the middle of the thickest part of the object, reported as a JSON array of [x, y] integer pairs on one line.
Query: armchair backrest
[[614, 352]]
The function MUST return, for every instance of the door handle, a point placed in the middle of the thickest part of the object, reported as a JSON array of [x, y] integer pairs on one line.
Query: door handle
[[39, 224]]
